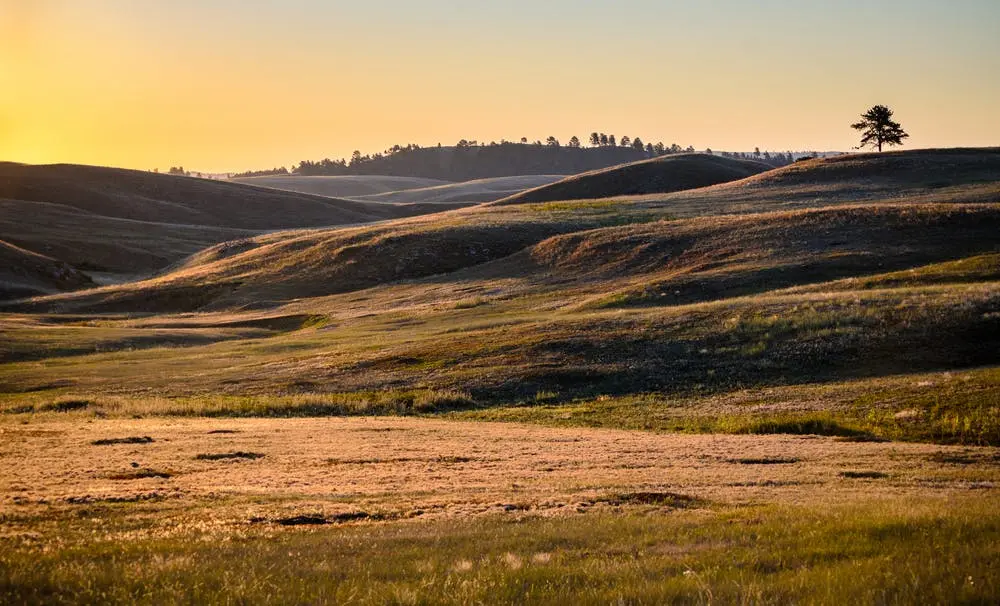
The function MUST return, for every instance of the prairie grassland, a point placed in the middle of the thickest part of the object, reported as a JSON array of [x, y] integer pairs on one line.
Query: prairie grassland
[[796, 402]]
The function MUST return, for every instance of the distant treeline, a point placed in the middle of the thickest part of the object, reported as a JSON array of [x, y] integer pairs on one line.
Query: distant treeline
[[470, 159], [261, 173]]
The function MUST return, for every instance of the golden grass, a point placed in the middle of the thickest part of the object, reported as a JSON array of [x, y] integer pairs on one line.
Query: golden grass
[[425, 511]]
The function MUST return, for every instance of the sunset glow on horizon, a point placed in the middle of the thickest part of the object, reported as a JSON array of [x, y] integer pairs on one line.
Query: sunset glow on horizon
[[224, 85]]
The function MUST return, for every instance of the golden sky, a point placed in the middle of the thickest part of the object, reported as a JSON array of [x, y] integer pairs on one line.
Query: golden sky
[[219, 85]]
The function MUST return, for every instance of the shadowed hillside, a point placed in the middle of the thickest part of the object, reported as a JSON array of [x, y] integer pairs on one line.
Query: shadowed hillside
[[655, 176], [27, 274]]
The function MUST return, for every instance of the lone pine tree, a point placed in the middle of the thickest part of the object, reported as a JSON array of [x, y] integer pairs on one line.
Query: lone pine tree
[[878, 128]]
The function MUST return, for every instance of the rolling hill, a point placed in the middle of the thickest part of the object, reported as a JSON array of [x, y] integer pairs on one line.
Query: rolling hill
[[598, 302], [266, 270], [655, 176]]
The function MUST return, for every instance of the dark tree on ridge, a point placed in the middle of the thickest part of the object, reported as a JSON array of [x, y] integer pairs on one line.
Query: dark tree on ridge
[[878, 128]]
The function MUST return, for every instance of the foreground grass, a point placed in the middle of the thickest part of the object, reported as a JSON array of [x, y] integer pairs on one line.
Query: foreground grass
[[883, 552]]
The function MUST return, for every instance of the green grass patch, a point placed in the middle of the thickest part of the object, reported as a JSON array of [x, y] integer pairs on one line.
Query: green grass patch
[[883, 553]]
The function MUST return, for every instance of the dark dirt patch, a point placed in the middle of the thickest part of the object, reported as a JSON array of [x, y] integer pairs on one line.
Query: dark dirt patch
[[316, 519], [307, 520], [764, 461], [864, 475], [128, 440], [221, 456], [223, 431]]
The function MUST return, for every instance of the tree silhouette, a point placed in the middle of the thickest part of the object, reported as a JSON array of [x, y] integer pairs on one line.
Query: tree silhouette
[[638, 144], [552, 141], [626, 142], [595, 139], [604, 139], [878, 128], [574, 141], [611, 141]]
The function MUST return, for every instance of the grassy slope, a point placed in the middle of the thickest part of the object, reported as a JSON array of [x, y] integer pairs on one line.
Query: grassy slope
[[654, 176], [95, 243]]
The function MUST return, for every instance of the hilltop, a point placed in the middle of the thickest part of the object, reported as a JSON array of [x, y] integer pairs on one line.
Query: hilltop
[[654, 176], [957, 175]]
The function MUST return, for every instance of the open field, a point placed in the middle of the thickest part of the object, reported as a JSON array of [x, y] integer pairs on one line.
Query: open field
[[126, 509], [785, 388]]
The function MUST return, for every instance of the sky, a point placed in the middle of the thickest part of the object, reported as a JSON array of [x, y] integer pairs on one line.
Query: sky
[[223, 85]]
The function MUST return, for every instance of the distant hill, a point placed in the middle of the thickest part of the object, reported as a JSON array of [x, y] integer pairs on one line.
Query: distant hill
[[466, 163], [655, 176], [132, 223], [479, 190], [144, 196], [344, 186]]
